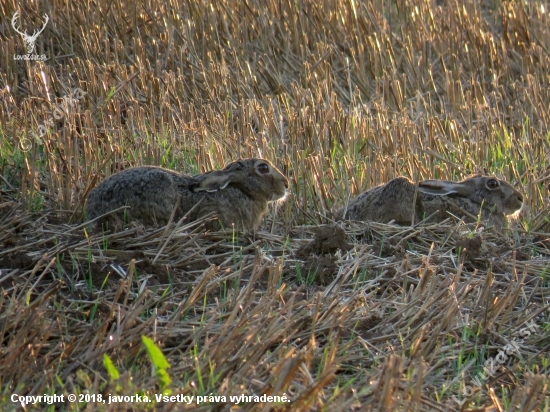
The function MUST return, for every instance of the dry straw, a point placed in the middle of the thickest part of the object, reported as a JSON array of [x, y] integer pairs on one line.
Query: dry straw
[[341, 96]]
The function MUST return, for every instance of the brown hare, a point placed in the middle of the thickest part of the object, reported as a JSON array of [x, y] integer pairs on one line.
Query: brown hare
[[487, 197], [238, 194]]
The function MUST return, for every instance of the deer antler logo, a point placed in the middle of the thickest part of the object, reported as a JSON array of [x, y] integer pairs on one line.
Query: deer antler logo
[[29, 40]]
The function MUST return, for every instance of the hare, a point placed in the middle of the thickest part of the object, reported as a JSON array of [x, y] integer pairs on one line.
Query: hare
[[399, 200], [238, 194]]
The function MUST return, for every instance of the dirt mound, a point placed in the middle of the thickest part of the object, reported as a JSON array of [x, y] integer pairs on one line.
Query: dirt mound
[[328, 240]]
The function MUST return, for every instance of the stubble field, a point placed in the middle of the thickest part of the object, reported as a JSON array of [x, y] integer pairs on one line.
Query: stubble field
[[327, 315]]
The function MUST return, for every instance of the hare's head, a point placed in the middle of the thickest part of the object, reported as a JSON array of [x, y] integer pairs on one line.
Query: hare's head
[[256, 178], [491, 193]]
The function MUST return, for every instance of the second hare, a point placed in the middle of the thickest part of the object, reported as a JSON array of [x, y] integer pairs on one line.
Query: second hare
[[238, 194], [486, 197]]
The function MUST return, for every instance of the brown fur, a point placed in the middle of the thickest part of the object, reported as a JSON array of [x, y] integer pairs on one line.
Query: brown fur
[[487, 197], [238, 194]]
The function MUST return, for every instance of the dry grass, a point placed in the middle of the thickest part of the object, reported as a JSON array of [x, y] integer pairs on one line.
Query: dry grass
[[341, 95]]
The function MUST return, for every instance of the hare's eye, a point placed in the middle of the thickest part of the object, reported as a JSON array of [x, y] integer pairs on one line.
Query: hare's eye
[[263, 168], [492, 184]]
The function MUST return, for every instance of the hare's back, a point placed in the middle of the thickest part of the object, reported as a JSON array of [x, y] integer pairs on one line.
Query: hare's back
[[394, 200], [149, 192]]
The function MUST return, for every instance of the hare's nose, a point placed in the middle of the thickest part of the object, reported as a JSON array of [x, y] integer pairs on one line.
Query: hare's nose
[[286, 184], [520, 198]]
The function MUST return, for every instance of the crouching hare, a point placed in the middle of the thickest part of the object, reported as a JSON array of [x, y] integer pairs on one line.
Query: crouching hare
[[238, 194], [486, 197]]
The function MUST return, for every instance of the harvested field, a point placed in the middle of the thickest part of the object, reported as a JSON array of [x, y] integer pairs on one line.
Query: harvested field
[[327, 315]]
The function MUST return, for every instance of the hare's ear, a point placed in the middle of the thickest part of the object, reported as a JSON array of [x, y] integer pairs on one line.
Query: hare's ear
[[443, 187], [211, 182]]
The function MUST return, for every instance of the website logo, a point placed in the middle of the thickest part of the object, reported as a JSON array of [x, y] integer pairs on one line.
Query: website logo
[[28, 39]]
